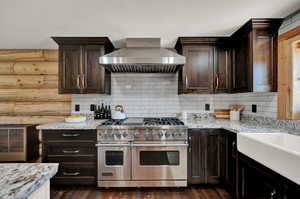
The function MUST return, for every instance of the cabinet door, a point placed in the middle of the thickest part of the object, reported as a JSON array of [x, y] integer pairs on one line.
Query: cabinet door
[[196, 157], [198, 70], [241, 67], [4, 140], [264, 66], [221, 69], [96, 79], [215, 160], [69, 69], [231, 162], [206, 156]]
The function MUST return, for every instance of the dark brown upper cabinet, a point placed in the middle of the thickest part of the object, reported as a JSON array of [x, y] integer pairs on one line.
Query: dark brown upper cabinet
[[254, 67], [79, 68], [207, 65]]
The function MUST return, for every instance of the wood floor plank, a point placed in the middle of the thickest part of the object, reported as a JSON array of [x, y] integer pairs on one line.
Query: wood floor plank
[[84, 192]]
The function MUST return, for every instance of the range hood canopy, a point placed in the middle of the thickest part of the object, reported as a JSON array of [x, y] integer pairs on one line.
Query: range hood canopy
[[143, 55]]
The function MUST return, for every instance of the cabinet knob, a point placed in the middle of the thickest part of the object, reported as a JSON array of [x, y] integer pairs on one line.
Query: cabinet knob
[[78, 80]]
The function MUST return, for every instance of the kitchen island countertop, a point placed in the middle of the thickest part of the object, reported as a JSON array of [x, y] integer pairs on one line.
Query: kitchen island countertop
[[20, 180]]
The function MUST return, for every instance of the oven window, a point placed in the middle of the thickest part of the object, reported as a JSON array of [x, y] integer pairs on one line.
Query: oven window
[[113, 158], [159, 157]]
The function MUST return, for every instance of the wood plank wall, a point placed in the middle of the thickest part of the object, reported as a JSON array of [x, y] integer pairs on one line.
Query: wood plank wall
[[29, 87]]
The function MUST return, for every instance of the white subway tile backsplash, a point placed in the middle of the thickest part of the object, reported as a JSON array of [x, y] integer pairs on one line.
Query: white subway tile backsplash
[[150, 95]]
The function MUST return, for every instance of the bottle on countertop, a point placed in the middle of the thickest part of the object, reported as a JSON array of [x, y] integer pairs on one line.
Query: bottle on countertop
[[102, 111], [109, 112], [105, 112]]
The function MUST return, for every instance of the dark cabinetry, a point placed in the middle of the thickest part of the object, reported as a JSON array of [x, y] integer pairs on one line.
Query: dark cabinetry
[[75, 151], [258, 181], [207, 65], [206, 157], [79, 68], [213, 158], [254, 46], [231, 165]]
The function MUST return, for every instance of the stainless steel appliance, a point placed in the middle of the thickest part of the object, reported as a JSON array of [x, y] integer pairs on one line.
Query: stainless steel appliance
[[143, 55], [142, 152]]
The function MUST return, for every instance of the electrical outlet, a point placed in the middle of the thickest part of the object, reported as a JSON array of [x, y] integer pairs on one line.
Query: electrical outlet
[[93, 107], [77, 107], [254, 108], [207, 107]]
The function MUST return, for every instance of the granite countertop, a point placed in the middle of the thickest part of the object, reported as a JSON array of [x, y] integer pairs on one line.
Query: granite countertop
[[89, 124], [234, 126], [244, 126], [19, 180]]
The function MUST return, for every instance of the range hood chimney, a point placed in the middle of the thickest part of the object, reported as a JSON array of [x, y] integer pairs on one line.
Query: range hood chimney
[[143, 55]]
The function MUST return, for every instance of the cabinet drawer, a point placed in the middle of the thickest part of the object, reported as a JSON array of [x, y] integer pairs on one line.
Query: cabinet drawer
[[77, 180], [69, 135], [73, 158], [70, 149], [76, 169]]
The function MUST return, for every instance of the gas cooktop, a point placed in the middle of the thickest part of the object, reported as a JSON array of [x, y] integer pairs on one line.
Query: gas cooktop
[[150, 121]]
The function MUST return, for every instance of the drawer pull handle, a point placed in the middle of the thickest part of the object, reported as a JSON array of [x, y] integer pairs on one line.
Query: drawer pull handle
[[65, 151], [70, 135], [71, 174]]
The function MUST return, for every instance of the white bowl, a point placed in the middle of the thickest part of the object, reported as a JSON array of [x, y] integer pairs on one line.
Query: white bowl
[[75, 120]]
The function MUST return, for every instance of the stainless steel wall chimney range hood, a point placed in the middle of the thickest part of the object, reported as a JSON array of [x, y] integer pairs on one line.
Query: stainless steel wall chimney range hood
[[143, 55]]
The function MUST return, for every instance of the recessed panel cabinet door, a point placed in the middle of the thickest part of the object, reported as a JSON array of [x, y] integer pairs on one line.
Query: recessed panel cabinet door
[[94, 73], [221, 69], [241, 68], [198, 70], [196, 157], [69, 69]]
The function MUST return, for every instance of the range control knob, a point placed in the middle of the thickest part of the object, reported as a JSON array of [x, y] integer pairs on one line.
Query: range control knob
[[136, 134], [118, 134], [125, 134], [160, 134], [167, 134]]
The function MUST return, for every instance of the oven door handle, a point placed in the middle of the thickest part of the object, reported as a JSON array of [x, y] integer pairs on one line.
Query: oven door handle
[[112, 145], [160, 145]]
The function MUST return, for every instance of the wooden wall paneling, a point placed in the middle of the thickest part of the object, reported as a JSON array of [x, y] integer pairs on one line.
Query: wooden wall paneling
[[28, 55], [28, 81], [28, 68], [25, 119], [35, 108], [29, 87], [32, 95]]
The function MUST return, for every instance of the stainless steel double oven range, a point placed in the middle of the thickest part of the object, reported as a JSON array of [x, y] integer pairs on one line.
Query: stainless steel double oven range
[[142, 152]]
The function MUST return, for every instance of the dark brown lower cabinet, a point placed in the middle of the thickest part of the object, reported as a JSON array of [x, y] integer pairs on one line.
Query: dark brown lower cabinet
[[212, 158], [75, 152], [258, 181], [206, 156]]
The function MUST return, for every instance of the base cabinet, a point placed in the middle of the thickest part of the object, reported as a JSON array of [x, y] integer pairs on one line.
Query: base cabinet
[[206, 156], [75, 152], [258, 181], [212, 158]]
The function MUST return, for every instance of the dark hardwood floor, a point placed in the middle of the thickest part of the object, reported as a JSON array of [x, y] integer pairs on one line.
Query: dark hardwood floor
[[84, 192]]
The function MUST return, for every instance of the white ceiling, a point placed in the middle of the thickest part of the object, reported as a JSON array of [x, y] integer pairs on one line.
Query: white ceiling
[[31, 23]]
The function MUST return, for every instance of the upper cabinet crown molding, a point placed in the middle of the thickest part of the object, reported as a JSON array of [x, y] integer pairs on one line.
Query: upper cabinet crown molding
[[83, 41], [79, 68]]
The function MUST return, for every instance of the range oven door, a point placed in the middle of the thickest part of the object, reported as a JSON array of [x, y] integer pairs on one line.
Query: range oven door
[[114, 162], [159, 161]]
